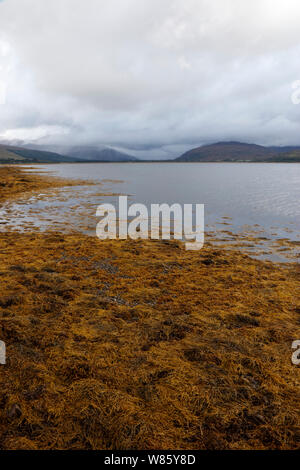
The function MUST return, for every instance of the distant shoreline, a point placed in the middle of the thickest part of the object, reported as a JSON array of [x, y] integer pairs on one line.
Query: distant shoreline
[[220, 152], [143, 161]]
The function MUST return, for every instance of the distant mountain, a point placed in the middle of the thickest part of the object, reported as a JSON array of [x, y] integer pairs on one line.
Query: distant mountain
[[219, 152], [14, 154], [227, 151], [241, 152], [99, 154], [30, 153]]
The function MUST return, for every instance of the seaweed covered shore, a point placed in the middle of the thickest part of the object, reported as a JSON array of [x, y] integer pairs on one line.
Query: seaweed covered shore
[[15, 182], [143, 345]]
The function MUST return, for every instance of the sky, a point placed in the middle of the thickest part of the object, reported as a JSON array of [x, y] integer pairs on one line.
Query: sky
[[153, 78]]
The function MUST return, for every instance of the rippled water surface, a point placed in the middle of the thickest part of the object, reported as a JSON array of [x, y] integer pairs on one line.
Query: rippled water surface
[[262, 198]]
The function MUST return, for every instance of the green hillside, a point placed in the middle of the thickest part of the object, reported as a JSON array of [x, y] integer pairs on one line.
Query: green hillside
[[12, 154], [9, 157]]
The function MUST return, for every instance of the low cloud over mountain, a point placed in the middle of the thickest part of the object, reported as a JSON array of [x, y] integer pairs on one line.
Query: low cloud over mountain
[[152, 79]]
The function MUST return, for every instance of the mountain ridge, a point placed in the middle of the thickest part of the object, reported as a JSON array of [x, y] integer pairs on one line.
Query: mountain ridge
[[16, 154], [230, 151], [238, 151], [93, 153], [40, 154]]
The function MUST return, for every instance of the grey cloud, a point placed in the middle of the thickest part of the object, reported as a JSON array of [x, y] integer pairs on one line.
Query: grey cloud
[[154, 78]]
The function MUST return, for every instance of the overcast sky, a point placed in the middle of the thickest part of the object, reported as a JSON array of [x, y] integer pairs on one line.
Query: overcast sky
[[151, 77]]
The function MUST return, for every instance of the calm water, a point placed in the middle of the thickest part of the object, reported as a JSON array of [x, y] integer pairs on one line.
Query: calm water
[[263, 197]]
